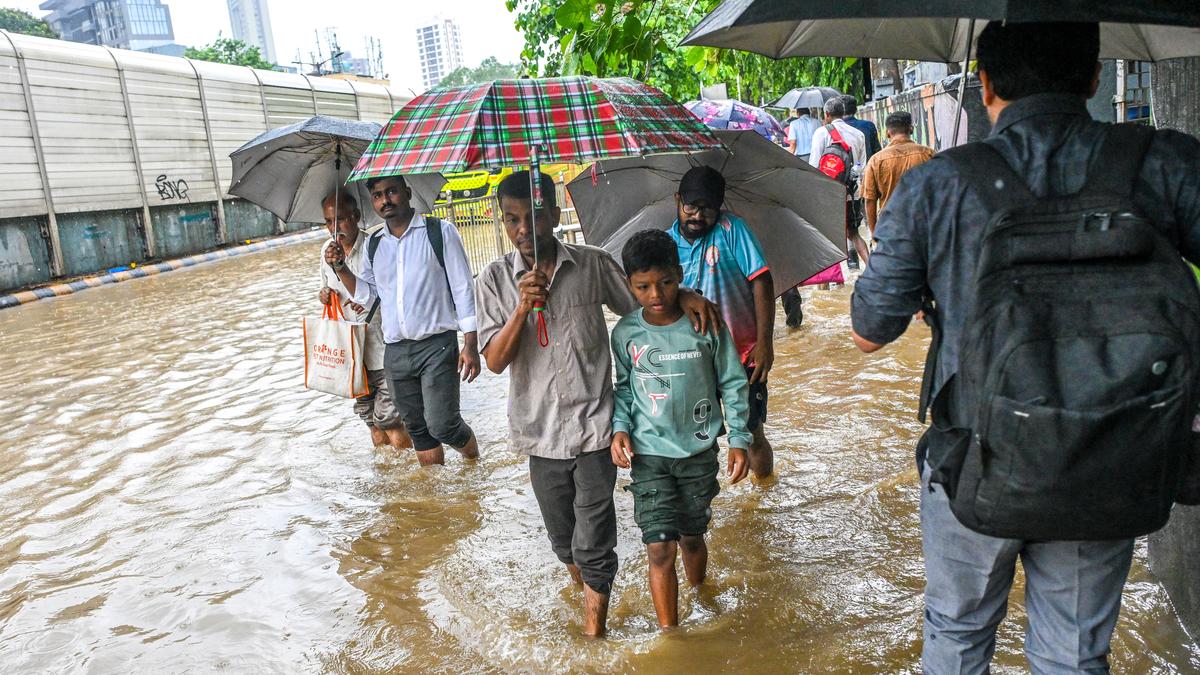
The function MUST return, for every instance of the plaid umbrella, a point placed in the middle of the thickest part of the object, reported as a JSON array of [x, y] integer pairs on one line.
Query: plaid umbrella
[[567, 119]]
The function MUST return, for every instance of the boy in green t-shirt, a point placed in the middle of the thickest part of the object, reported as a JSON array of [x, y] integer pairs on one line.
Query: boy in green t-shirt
[[671, 383]]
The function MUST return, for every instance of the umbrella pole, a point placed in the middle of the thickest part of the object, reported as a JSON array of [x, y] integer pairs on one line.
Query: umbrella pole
[[535, 203], [962, 82]]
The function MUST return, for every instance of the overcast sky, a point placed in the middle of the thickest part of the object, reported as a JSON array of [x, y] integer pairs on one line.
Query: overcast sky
[[487, 28]]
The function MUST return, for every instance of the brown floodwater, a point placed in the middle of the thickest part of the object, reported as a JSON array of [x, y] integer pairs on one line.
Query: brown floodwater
[[172, 500]]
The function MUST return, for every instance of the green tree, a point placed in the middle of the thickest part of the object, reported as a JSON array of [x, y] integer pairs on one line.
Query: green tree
[[17, 21], [638, 39], [490, 69], [233, 52]]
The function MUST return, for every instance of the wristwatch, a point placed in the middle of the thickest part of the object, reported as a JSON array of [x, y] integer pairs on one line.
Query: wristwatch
[[338, 266]]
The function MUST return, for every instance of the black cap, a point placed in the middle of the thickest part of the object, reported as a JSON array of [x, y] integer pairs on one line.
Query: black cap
[[702, 182]]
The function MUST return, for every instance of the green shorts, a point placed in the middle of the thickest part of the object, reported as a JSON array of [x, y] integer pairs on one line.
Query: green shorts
[[673, 497]]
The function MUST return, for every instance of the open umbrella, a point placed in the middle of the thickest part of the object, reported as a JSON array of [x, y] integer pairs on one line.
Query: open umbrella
[[290, 170], [730, 114], [939, 30], [797, 213], [806, 97], [572, 120]]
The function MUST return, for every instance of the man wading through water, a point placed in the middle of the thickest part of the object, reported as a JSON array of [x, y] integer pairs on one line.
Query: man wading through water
[[722, 259], [376, 409], [560, 403], [418, 268], [1086, 314]]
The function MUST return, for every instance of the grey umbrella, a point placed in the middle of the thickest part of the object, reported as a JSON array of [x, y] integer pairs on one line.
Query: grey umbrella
[[806, 97], [797, 213], [290, 170], [939, 30]]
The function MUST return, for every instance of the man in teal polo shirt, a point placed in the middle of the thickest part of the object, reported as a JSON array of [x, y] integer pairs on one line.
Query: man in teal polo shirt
[[722, 259]]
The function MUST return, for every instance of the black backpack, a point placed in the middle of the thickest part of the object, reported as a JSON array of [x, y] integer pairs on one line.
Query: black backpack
[[1079, 366], [433, 230]]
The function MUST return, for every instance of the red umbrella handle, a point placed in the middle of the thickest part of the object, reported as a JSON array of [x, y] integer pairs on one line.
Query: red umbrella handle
[[543, 333]]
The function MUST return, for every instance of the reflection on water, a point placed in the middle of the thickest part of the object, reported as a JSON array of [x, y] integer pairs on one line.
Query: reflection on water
[[172, 500]]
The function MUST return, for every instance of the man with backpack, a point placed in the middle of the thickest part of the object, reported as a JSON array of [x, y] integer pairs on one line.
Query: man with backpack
[[418, 269], [1062, 377], [840, 152]]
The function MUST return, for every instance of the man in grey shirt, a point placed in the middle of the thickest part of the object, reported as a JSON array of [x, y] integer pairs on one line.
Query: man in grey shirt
[[1036, 79], [560, 402]]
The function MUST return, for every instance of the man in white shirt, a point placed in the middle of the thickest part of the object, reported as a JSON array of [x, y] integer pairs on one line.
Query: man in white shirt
[[376, 409], [427, 294], [800, 132], [835, 110]]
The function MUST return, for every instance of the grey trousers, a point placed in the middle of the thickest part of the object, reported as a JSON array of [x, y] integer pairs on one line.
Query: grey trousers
[[1072, 595], [575, 497], [423, 377]]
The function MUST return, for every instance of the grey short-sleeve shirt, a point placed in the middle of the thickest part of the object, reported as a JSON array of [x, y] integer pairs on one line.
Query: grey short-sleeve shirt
[[560, 400]]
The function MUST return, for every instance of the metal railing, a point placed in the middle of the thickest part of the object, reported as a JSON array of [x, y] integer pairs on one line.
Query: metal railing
[[482, 232]]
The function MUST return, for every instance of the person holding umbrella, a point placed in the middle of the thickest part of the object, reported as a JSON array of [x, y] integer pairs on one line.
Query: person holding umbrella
[[418, 269], [376, 409], [722, 259], [1132, 184]]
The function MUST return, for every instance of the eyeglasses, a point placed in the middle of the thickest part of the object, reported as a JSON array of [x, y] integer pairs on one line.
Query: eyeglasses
[[697, 208]]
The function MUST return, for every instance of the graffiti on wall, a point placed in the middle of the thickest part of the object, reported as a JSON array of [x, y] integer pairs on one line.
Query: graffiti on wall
[[171, 189], [932, 107]]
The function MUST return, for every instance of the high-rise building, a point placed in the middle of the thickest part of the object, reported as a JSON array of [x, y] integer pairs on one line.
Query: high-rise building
[[439, 45], [251, 23], [125, 24]]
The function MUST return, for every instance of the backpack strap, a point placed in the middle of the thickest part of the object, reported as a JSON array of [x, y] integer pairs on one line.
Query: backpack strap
[[433, 230], [1116, 167], [836, 137], [372, 246]]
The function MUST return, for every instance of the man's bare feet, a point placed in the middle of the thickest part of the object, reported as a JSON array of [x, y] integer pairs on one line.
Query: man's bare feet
[[432, 456], [378, 436], [595, 612], [399, 438], [575, 574], [471, 449]]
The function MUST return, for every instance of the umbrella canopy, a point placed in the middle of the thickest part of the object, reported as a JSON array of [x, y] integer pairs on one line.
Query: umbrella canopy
[[938, 30], [568, 119], [730, 114], [290, 170], [806, 97], [797, 213]]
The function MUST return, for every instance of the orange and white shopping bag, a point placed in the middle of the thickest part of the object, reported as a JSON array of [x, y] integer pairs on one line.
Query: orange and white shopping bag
[[333, 354]]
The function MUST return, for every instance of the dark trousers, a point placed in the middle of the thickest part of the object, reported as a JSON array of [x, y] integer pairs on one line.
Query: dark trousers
[[576, 500], [423, 375], [793, 307]]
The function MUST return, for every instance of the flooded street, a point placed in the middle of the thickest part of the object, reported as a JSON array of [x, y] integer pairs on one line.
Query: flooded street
[[172, 500]]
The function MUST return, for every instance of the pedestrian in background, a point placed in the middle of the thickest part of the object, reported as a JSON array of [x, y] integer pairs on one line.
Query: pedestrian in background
[[884, 170], [800, 132]]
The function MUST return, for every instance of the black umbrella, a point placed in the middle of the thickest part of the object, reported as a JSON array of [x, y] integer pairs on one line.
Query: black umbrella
[[939, 30], [806, 97]]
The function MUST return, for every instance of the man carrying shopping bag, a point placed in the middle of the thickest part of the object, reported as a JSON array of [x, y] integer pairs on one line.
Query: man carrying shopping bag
[[343, 219]]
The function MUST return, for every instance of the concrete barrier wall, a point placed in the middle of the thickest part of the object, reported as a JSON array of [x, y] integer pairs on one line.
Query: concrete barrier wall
[[112, 157], [932, 107]]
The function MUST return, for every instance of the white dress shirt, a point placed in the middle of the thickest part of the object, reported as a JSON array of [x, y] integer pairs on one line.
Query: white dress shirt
[[355, 259], [415, 300], [853, 137]]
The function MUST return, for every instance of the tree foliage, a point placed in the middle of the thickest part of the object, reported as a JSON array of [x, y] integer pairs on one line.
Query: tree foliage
[[231, 51], [18, 21], [490, 69], [639, 38]]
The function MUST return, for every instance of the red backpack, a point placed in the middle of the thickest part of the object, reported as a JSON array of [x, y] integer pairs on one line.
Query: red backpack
[[837, 159]]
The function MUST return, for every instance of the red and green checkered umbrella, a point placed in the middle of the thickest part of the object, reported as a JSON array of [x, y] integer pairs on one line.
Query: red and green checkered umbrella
[[568, 119]]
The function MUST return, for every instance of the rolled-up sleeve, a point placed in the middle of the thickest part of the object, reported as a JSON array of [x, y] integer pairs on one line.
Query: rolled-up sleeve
[[489, 308], [891, 289], [611, 279]]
